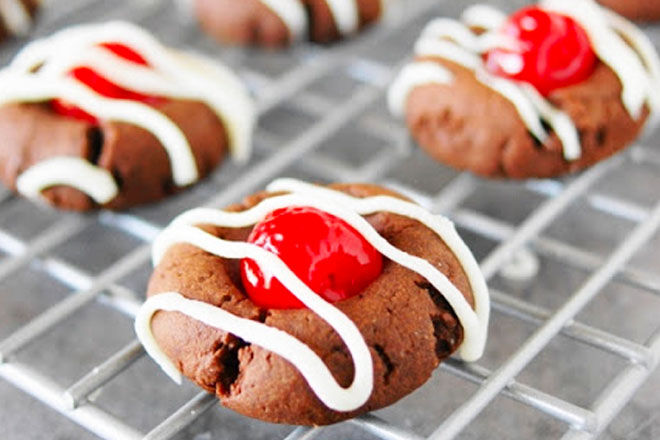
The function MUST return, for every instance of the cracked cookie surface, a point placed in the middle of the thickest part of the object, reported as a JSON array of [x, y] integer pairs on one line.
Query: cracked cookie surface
[[407, 325]]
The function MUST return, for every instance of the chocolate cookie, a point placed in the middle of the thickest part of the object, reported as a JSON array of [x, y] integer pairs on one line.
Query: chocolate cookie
[[16, 17], [276, 23], [642, 10], [478, 98], [322, 363], [104, 116]]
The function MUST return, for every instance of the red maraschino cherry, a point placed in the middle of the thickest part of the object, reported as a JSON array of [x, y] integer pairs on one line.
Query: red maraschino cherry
[[553, 50], [102, 85], [325, 252]]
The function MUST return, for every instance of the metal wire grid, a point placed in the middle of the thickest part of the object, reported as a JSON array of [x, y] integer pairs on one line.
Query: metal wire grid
[[309, 151]]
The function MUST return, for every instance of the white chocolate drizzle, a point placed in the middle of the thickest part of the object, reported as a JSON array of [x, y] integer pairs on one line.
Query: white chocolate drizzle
[[76, 172], [483, 17], [39, 73], [15, 16], [292, 13], [345, 13], [411, 76], [617, 42], [350, 209]]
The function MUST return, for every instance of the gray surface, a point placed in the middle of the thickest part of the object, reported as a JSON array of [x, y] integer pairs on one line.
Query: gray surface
[[370, 147]]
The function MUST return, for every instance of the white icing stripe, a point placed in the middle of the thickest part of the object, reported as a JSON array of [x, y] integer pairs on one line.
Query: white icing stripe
[[610, 48], [412, 76], [32, 89], [431, 47], [116, 69], [350, 210], [15, 16], [346, 15], [71, 171], [560, 122], [292, 13], [640, 42], [232, 103], [447, 28], [483, 17]]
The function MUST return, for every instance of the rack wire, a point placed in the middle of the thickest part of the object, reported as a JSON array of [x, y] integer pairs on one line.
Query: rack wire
[[572, 263]]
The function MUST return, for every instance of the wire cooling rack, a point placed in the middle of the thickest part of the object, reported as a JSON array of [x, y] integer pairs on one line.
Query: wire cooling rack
[[572, 266]]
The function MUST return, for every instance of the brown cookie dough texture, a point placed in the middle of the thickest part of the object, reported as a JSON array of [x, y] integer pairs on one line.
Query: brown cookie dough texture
[[469, 126], [406, 323], [31, 7], [252, 23], [642, 10], [140, 165]]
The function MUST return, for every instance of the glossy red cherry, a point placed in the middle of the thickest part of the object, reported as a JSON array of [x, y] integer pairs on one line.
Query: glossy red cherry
[[325, 252], [553, 50], [101, 85]]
